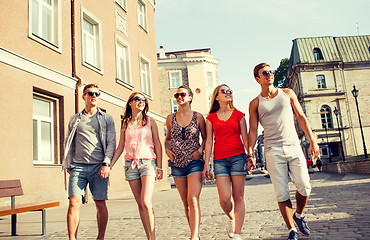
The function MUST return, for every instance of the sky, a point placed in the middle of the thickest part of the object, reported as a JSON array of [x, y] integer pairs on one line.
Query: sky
[[243, 33]]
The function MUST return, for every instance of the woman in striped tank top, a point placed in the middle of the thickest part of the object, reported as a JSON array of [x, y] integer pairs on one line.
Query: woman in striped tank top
[[143, 159], [185, 153]]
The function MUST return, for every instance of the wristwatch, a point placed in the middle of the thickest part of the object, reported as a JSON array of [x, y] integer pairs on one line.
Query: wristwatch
[[106, 164]]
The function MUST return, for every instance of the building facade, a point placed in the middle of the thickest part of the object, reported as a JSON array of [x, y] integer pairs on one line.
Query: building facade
[[48, 51], [322, 72], [196, 68]]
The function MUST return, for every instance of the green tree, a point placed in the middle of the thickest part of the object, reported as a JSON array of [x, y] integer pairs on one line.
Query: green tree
[[281, 73]]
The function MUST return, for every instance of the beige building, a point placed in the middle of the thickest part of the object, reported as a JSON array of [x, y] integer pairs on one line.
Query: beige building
[[47, 50], [195, 68], [323, 72]]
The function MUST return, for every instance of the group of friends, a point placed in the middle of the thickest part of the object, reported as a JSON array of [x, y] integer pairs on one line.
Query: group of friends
[[91, 153]]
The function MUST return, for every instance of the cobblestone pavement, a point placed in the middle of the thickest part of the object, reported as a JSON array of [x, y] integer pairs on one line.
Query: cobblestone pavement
[[339, 208]]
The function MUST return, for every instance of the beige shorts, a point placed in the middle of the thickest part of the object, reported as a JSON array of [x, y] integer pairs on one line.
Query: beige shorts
[[283, 162]]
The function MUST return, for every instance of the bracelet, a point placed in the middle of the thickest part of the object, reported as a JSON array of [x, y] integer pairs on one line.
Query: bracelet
[[249, 156], [158, 168]]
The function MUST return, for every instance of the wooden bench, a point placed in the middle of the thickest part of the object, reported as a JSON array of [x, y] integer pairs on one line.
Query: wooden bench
[[12, 188]]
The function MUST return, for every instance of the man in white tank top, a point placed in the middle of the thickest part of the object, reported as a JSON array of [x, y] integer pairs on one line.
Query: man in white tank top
[[273, 108]]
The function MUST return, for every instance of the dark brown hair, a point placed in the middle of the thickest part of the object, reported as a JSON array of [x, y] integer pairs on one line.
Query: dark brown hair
[[258, 67], [189, 91], [91, 85], [215, 105], [128, 112]]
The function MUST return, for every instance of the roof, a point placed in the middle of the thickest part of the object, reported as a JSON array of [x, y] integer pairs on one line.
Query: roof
[[344, 49]]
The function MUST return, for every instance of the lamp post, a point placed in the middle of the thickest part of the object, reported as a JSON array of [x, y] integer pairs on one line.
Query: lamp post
[[327, 138], [336, 112], [355, 94]]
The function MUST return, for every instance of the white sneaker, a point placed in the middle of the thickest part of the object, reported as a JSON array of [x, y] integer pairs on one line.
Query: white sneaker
[[230, 228], [237, 237]]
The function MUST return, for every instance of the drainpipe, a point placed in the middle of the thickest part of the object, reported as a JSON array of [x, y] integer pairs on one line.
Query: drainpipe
[[74, 74]]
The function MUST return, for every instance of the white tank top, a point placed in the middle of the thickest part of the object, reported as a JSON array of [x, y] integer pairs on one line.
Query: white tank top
[[277, 118]]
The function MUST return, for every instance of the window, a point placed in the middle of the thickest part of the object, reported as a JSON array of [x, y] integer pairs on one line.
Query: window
[[45, 22], [91, 41], [145, 76], [122, 59], [326, 117], [210, 79], [175, 106], [141, 14], [175, 79], [122, 3], [317, 54], [320, 81]]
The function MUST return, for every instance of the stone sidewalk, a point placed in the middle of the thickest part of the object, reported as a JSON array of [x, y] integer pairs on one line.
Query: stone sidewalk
[[339, 208]]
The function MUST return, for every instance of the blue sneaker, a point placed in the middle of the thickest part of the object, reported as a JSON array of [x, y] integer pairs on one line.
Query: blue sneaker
[[293, 235], [302, 225]]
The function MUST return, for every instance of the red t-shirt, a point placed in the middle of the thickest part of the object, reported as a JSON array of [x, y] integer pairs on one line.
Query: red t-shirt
[[228, 142]]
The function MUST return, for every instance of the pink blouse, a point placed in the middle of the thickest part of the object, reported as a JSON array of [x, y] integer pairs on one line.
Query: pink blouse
[[139, 143]]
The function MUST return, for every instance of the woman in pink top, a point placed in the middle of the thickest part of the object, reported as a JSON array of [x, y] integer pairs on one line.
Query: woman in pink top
[[227, 131], [143, 159]]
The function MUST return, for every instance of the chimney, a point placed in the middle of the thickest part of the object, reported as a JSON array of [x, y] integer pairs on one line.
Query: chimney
[[162, 53]]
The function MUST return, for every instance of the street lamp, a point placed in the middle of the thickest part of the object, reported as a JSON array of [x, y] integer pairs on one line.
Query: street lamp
[[336, 112], [327, 138], [355, 94]]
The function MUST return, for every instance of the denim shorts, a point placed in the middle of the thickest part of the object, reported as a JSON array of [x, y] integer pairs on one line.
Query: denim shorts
[[145, 167], [231, 166], [194, 166], [83, 174]]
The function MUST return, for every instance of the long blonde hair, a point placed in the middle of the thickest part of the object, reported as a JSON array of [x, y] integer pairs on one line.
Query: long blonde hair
[[215, 105]]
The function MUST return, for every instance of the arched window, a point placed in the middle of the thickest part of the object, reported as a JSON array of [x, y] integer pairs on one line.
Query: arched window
[[317, 54], [326, 117]]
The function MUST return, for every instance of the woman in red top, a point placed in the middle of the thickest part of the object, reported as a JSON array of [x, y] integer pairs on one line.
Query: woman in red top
[[227, 131]]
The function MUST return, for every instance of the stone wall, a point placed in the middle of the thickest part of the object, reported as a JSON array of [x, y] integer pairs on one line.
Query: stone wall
[[361, 166]]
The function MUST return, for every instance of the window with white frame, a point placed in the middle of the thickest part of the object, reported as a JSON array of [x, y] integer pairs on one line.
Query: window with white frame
[[43, 130], [141, 14], [122, 58], [91, 41], [321, 83], [326, 117], [175, 79], [175, 106], [45, 22], [122, 3], [145, 76]]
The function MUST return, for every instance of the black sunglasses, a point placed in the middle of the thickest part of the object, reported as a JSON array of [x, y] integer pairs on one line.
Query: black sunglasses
[[97, 94], [266, 73], [225, 91], [138, 99], [176, 95]]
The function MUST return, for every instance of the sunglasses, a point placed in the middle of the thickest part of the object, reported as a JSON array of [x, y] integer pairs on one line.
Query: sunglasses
[[97, 94], [266, 73], [225, 91], [138, 99], [179, 94]]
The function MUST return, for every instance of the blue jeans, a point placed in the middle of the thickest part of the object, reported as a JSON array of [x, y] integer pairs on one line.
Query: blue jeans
[[231, 166], [83, 174], [145, 167], [194, 167]]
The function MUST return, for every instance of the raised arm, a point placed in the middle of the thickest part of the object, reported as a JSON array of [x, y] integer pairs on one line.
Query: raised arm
[[303, 122], [157, 148]]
